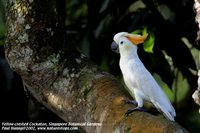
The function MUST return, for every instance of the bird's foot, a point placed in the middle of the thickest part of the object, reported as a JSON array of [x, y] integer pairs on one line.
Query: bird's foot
[[127, 101], [134, 109]]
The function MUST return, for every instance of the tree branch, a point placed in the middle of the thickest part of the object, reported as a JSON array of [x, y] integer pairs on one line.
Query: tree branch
[[65, 81], [196, 94]]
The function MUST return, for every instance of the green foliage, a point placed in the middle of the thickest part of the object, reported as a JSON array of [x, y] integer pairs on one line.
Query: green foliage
[[76, 12], [149, 42], [194, 51], [180, 82]]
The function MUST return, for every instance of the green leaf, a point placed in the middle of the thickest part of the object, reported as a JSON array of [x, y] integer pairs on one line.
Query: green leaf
[[180, 86], [136, 32], [149, 42], [144, 31]]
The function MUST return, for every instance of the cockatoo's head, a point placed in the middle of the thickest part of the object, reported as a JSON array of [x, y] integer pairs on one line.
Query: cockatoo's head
[[125, 42]]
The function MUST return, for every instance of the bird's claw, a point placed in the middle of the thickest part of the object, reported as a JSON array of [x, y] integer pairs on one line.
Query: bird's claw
[[134, 109]]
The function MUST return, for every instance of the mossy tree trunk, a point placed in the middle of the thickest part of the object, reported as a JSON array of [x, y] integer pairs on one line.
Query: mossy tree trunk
[[65, 81]]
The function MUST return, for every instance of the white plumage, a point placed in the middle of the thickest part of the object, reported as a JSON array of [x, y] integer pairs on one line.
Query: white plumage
[[139, 81]]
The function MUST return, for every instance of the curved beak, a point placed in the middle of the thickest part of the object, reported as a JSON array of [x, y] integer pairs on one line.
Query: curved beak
[[114, 47]]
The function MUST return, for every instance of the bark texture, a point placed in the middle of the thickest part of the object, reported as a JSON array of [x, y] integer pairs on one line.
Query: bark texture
[[65, 81], [196, 94]]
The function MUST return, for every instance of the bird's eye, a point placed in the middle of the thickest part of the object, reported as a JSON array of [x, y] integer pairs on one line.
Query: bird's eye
[[122, 42]]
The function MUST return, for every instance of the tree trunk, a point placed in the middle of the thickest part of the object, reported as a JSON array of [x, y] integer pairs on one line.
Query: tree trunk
[[196, 94], [65, 81]]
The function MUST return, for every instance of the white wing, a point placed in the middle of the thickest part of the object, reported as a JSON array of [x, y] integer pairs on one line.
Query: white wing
[[141, 79]]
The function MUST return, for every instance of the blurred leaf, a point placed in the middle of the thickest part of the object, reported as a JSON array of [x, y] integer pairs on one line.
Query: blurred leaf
[[194, 51], [104, 6], [166, 12], [77, 12], [168, 59], [180, 86], [103, 25], [84, 45], [194, 118], [135, 6], [164, 86]]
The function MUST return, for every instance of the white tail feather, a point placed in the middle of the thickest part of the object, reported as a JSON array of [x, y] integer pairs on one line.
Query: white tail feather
[[168, 111]]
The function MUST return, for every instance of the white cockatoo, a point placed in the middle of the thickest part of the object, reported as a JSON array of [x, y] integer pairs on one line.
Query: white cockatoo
[[137, 78]]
